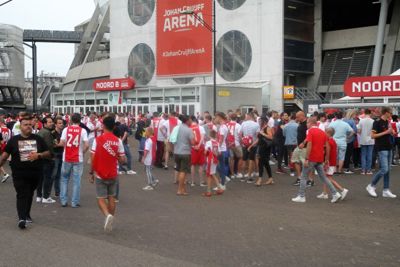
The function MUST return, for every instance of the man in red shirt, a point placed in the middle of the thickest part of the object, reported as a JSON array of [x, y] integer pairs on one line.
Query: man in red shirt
[[107, 150], [317, 154], [75, 142]]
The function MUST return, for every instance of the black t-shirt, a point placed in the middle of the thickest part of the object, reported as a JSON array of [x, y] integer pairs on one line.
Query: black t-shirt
[[301, 132], [19, 148], [123, 128], [10, 125], [58, 151], [383, 142]]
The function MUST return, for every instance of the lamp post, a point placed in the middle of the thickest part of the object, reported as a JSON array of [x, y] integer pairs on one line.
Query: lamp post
[[212, 29]]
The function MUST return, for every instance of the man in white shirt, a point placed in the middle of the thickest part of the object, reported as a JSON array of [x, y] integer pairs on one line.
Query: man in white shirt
[[235, 149], [249, 130], [366, 142]]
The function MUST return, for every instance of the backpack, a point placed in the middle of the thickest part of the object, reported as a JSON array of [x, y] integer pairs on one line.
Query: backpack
[[174, 135], [139, 130], [247, 140]]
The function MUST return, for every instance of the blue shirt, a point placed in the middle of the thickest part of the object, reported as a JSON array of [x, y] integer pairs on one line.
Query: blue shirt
[[353, 126], [342, 130], [290, 133]]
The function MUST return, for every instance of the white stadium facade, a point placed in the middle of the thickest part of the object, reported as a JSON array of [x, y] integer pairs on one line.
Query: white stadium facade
[[269, 55]]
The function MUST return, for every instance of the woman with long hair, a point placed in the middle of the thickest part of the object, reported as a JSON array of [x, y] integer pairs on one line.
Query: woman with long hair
[[264, 142]]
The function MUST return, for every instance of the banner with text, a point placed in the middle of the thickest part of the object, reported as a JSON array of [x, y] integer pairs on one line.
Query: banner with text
[[184, 44]]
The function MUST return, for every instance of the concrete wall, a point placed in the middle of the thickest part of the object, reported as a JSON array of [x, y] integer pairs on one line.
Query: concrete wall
[[89, 70], [261, 21], [357, 37]]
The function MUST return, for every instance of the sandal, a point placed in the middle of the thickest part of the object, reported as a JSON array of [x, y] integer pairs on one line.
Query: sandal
[[182, 194], [259, 182], [270, 181]]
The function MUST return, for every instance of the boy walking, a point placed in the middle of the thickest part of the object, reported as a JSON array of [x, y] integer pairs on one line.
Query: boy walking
[[107, 152], [212, 152]]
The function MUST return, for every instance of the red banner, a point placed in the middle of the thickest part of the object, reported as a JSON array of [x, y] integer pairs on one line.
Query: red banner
[[184, 44], [114, 84], [372, 86]]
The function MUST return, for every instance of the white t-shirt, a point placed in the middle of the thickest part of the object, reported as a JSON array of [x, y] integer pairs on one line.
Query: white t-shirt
[[166, 125], [223, 131], [148, 146], [162, 134], [236, 133], [271, 123], [92, 125], [84, 138], [250, 128]]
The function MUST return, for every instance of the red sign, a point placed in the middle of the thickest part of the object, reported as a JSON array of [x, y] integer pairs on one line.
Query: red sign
[[114, 84], [372, 86], [184, 44]]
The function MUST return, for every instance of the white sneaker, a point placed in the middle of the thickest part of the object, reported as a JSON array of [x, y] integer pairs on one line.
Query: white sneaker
[[148, 188], [344, 193], [292, 174], [215, 188], [271, 163], [121, 173], [239, 175], [192, 184], [336, 197], [223, 187], [371, 191], [323, 195], [246, 175], [131, 172], [38, 200], [232, 177], [254, 174], [299, 199], [387, 193], [108, 223], [227, 179], [5, 178], [48, 200]]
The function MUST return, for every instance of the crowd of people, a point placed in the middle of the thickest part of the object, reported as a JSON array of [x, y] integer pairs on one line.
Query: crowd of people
[[46, 152]]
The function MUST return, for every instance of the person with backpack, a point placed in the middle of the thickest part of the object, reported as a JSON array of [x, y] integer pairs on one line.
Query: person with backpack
[[248, 133], [235, 149]]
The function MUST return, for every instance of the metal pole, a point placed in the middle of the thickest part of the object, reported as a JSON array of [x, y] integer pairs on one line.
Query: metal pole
[[215, 57], [376, 67], [34, 77]]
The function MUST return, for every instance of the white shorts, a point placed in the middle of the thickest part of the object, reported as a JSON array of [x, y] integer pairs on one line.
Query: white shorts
[[212, 170], [331, 170]]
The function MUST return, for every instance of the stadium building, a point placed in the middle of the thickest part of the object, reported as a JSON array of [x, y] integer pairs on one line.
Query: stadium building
[[275, 54]]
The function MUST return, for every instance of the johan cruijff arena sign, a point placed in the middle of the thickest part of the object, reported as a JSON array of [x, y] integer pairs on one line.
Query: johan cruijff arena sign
[[184, 44], [372, 86]]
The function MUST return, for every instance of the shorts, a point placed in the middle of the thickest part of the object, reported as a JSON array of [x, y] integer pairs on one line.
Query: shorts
[[249, 155], [341, 152], [299, 155], [198, 157], [106, 188], [331, 170], [183, 163], [211, 169], [236, 152], [169, 147]]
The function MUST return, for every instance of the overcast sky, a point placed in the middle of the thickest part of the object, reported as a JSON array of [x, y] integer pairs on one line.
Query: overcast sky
[[48, 15]]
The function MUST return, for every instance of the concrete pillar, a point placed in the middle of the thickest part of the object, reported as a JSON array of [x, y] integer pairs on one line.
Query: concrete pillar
[[380, 38], [312, 82], [392, 39]]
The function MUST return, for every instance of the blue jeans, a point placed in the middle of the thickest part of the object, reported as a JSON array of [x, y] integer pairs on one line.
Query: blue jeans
[[75, 171], [385, 159], [128, 159], [223, 165], [319, 167], [57, 174], [366, 157]]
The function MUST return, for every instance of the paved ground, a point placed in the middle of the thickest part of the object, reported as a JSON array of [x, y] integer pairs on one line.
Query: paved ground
[[248, 226]]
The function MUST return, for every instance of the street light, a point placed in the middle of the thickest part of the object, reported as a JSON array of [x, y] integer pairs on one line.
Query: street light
[[212, 29]]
